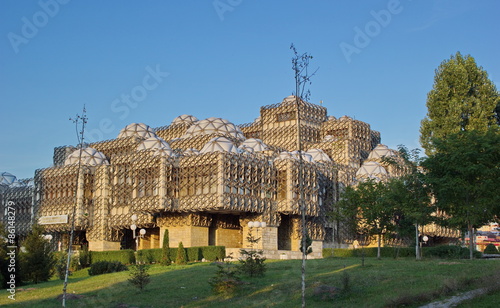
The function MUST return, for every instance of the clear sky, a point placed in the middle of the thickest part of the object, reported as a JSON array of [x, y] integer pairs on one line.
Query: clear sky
[[150, 61]]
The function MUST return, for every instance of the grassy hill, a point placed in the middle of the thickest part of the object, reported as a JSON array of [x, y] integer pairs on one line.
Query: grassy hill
[[344, 282]]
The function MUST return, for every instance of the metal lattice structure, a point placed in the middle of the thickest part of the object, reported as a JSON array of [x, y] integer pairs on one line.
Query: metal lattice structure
[[205, 180]]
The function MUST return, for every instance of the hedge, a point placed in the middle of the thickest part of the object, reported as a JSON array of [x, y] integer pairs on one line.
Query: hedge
[[443, 252], [210, 253], [125, 256]]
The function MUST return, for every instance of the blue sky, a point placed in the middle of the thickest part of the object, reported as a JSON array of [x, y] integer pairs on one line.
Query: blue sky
[[150, 61]]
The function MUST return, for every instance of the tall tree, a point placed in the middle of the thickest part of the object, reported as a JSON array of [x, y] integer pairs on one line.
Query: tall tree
[[367, 210], [464, 175], [462, 98], [410, 194]]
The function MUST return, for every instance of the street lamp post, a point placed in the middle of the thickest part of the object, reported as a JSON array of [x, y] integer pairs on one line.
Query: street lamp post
[[256, 224], [133, 227]]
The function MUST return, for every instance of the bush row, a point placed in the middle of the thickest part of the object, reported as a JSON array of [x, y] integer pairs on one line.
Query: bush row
[[127, 256], [211, 253], [443, 252]]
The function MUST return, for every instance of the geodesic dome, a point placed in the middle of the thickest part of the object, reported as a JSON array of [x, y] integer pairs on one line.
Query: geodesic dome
[[381, 150], [157, 144], [185, 119], [89, 157], [305, 156], [331, 118], [137, 129], [256, 144], [214, 126], [371, 169], [345, 118], [219, 144], [318, 155], [245, 149], [7, 178]]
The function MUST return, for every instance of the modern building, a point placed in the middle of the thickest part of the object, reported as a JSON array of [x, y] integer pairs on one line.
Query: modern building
[[205, 180]]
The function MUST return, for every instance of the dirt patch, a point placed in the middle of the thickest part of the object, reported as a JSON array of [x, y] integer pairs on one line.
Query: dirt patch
[[449, 263]]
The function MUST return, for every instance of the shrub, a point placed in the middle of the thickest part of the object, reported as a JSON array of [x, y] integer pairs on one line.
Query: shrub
[[181, 258], [213, 253], [125, 256], [225, 281], [327, 252], [104, 267], [85, 257], [490, 249], [139, 276], [62, 259], [194, 253], [165, 255], [449, 252]]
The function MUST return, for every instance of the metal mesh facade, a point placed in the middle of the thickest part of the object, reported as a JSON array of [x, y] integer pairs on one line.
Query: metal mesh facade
[[210, 183]]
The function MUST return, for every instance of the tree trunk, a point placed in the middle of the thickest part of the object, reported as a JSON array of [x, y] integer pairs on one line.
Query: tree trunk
[[378, 248], [471, 241], [417, 250]]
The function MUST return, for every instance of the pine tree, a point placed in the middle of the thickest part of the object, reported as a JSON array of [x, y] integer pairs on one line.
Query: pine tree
[[181, 258], [37, 262], [165, 255], [463, 98]]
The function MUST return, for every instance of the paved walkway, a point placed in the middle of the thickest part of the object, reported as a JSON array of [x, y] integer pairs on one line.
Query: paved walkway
[[455, 300]]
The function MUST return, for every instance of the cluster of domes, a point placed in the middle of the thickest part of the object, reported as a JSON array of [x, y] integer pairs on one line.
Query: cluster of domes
[[214, 126], [9, 180], [371, 168]]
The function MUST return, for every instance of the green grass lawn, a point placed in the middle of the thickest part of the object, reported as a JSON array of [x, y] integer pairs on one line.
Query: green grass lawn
[[380, 283]]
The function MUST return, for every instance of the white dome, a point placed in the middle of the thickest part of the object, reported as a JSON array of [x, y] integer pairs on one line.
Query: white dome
[[245, 149], [285, 155], [318, 155], [331, 118], [7, 178], [371, 169], [185, 119], [381, 150], [90, 157], [137, 129], [345, 118], [190, 151], [305, 156], [157, 144], [256, 144], [213, 126], [219, 144]]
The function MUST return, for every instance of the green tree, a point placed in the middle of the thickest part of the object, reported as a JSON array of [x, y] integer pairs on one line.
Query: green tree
[[37, 261], [139, 276], [464, 175], [462, 98], [366, 211], [410, 195], [165, 254], [181, 258]]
